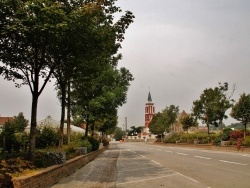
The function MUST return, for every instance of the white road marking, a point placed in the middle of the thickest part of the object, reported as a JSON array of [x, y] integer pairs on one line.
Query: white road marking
[[142, 156], [168, 151], [233, 162], [147, 179], [201, 157], [136, 169], [246, 155], [182, 153], [188, 177], [156, 162]]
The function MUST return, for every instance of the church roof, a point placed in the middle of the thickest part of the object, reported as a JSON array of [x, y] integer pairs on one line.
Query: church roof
[[149, 97]]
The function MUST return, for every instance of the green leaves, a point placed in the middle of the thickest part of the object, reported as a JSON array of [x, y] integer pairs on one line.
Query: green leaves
[[162, 121], [212, 105], [241, 110]]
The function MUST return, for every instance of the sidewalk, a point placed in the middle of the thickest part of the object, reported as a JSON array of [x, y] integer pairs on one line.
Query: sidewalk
[[100, 172]]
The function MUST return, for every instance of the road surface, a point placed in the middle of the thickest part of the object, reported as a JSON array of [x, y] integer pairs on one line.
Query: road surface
[[131, 165]]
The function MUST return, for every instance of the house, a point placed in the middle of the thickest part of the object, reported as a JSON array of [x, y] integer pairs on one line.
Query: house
[[3, 120], [49, 121], [177, 127]]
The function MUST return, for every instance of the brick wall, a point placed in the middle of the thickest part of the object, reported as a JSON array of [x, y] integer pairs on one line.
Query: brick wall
[[51, 175]]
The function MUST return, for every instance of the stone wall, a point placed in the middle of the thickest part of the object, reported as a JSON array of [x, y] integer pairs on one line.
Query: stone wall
[[52, 175]]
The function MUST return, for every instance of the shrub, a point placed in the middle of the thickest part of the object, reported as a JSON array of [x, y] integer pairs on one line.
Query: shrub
[[48, 137], [88, 145], [234, 135], [105, 142], [226, 134], [246, 141], [94, 142], [43, 160]]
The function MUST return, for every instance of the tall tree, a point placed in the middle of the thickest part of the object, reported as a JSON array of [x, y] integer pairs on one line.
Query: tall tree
[[212, 105], [241, 111], [30, 31]]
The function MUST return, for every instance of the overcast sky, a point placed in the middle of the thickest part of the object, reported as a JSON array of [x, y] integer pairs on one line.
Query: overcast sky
[[177, 48]]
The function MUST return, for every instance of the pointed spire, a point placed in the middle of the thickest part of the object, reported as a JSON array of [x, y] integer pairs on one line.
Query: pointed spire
[[149, 97]]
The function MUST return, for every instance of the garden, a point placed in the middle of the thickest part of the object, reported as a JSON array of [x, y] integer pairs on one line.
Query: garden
[[14, 156]]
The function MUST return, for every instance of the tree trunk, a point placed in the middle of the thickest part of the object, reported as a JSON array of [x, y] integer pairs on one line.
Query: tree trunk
[[68, 114], [207, 129], [32, 139], [92, 127], [87, 127], [245, 130], [63, 104]]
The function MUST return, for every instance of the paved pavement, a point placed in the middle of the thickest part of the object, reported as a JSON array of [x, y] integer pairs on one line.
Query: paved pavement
[[99, 173]]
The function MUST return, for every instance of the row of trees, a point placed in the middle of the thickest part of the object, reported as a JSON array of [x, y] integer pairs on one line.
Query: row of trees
[[74, 41], [210, 108]]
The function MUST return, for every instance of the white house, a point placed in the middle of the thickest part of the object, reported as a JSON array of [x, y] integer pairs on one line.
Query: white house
[[49, 121]]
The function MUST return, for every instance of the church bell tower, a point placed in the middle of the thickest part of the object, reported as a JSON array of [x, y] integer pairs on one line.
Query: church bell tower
[[149, 110]]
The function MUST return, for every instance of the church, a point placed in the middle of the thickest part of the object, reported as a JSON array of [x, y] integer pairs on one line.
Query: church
[[150, 113]]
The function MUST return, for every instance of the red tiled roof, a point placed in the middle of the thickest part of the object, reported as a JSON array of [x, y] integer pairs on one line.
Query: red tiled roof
[[5, 119]]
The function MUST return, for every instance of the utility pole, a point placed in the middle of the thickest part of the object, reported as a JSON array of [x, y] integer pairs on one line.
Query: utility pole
[[126, 125]]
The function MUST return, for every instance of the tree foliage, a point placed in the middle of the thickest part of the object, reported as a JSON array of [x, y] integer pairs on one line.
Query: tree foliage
[[188, 122], [42, 37], [212, 105], [241, 110], [20, 122], [118, 134], [162, 121]]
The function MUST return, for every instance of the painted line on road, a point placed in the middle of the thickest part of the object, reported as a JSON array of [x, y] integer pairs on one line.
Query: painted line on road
[[246, 155], [156, 162], [201, 157], [146, 179], [168, 151], [233, 162], [188, 177], [136, 169], [181, 153], [142, 156]]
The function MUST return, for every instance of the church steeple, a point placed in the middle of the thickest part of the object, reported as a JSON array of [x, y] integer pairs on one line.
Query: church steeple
[[149, 110], [149, 97]]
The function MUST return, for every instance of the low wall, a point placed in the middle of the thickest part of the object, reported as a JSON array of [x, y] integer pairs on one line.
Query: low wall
[[52, 175]]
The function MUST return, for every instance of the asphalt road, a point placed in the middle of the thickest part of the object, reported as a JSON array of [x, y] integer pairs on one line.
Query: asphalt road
[[145, 165], [134, 165]]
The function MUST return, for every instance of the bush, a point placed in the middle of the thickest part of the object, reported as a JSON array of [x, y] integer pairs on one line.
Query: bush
[[226, 134], [88, 145], [48, 137], [43, 160], [94, 142], [246, 141], [105, 142]]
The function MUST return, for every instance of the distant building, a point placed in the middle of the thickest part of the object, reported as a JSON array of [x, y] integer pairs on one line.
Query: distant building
[[149, 114], [3, 120], [49, 121], [177, 127]]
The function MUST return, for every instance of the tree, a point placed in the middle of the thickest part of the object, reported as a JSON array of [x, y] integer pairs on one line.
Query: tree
[[32, 35], [30, 31], [156, 126], [162, 121], [118, 133], [241, 110], [188, 122], [19, 122], [212, 105]]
